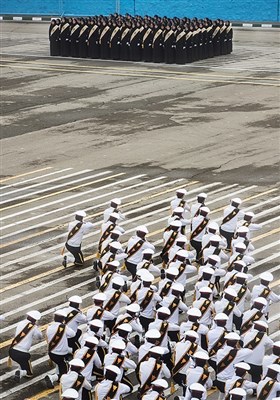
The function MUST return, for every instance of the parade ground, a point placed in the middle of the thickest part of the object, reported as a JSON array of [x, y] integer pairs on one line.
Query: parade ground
[[75, 133]]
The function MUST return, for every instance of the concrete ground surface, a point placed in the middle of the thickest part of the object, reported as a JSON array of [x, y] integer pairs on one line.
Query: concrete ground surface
[[76, 133]]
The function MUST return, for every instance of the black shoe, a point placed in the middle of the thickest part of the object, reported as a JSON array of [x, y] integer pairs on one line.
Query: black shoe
[[64, 262], [49, 382], [17, 376]]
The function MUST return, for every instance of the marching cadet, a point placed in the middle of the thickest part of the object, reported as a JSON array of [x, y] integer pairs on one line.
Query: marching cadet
[[74, 318], [189, 44], [73, 379], [206, 280], [173, 301], [64, 37], [247, 222], [54, 36], [171, 234], [239, 254], [114, 236], [165, 327], [110, 388], [255, 313], [212, 229], [113, 208], [152, 338], [135, 246], [136, 284], [196, 392], [237, 266], [214, 248], [151, 369], [74, 34], [114, 254], [198, 228], [19, 351], [107, 228], [238, 380], [104, 40], [180, 201], [229, 34], [205, 305], [231, 215], [115, 44], [122, 332], [180, 244], [263, 290], [147, 262], [112, 272], [58, 334], [258, 341], [274, 358], [243, 295], [118, 358], [83, 40], [215, 337], [227, 356], [157, 390], [70, 394], [96, 329], [228, 306], [242, 236], [177, 214], [193, 323], [157, 44], [76, 230], [93, 40], [216, 39], [165, 284], [147, 40], [114, 298], [97, 311], [199, 372], [129, 317], [200, 202], [214, 262], [147, 298], [182, 263], [269, 387]]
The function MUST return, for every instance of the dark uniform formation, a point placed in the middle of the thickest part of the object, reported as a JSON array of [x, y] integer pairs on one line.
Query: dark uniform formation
[[187, 322], [149, 39]]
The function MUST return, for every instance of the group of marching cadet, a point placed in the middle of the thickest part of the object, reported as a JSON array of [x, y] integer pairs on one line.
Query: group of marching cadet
[[150, 39], [183, 325]]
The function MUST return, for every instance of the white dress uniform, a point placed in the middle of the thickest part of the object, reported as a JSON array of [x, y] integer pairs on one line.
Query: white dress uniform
[[205, 283], [134, 322], [61, 348], [25, 343], [195, 223], [109, 256], [89, 333], [274, 391], [230, 226], [165, 284], [77, 320], [111, 210], [230, 276], [94, 361], [106, 315], [167, 235], [206, 240], [195, 208], [182, 348], [248, 386], [262, 291], [194, 374], [123, 298], [157, 324], [136, 257], [251, 225], [173, 251], [144, 350], [264, 344], [184, 271], [249, 316], [149, 311], [228, 371], [106, 280], [76, 239], [179, 202], [150, 266], [209, 251], [237, 256], [168, 301], [198, 327], [249, 246], [215, 335], [68, 380], [130, 348], [111, 358], [207, 316], [245, 298], [220, 307], [103, 388], [146, 367]]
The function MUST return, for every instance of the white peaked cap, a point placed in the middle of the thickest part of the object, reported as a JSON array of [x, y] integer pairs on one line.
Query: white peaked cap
[[81, 213], [77, 362], [61, 313], [182, 238], [208, 270], [114, 369], [277, 344], [183, 253], [274, 367], [205, 289], [260, 300], [118, 344], [70, 394], [242, 365], [236, 200], [118, 281], [114, 215], [172, 271], [176, 223], [231, 292], [212, 225], [242, 229], [141, 272], [240, 245], [191, 334], [116, 201], [116, 231], [142, 228], [164, 310], [198, 387], [238, 391], [97, 323], [261, 323], [194, 312], [232, 336], [182, 191], [134, 307], [241, 275], [205, 210], [147, 276], [266, 276], [34, 315], [153, 334], [202, 355], [125, 327], [215, 258], [161, 383], [92, 340], [178, 210], [99, 296], [148, 251], [158, 350], [215, 238], [114, 263], [178, 287], [116, 245], [221, 317], [249, 214], [203, 195], [75, 299]]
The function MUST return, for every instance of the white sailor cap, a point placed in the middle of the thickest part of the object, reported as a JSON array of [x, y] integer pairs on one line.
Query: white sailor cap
[[202, 195], [260, 300], [99, 296], [213, 225], [249, 214], [77, 362], [205, 289], [125, 327], [215, 238], [61, 313], [202, 355], [118, 344], [266, 276], [172, 271], [177, 287], [134, 307], [241, 275], [230, 292], [164, 310], [148, 251], [176, 223], [142, 228], [114, 369], [276, 344], [232, 336], [238, 391], [208, 270], [158, 350], [242, 365], [242, 229], [153, 334], [116, 201], [178, 210], [221, 317], [274, 367], [34, 314], [263, 324], [118, 281], [239, 262], [191, 334], [204, 210], [147, 276], [141, 272], [236, 200], [116, 231], [96, 322], [114, 263], [75, 299], [92, 340], [239, 245], [160, 383], [195, 312], [183, 253], [114, 215], [81, 213], [215, 258], [182, 238], [70, 394], [116, 245], [197, 387], [181, 191]]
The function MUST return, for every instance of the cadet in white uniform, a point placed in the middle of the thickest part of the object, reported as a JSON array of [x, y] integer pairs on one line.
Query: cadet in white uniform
[[239, 380], [170, 237], [107, 228], [26, 332], [263, 290], [147, 262], [70, 394], [74, 318], [110, 388], [216, 337], [274, 358], [269, 387], [88, 354], [247, 221], [114, 208], [198, 229], [75, 380], [256, 313], [228, 306], [232, 214], [201, 197], [157, 390], [180, 201], [97, 310], [199, 373]]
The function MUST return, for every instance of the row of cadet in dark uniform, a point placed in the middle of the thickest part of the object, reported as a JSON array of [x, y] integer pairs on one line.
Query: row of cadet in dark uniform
[[150, 39]]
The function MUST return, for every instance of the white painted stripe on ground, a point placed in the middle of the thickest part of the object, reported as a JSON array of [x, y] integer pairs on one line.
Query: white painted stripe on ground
[[36, 19], [43, 183], [17, 18], [33, 179], [55, 187], [247, 25]]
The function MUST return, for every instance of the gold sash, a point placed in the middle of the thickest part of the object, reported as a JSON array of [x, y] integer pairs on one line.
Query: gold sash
[[106, 282], [165, 289], [112, 391], [57, 337], [218, 344], [266, 390], [216, 31], [230, 216], [74, 230], [125, 32], [77, 385], [204, 306], [169, 33], [153, 376], [137, 246], [184, 359], [226, 361], [93, 29], [146, 35], [134, 33], [114, 33], [254, 342], [104, 235], [248, 324], [125, 320], [157, 34], [242, 291], [181, 34], [229, 308], [199, 229], [82, 30], [54, 29], [75, 27], [169, 243], [147, 299], [64, 27], [163, 329], [105, 30], [21, 335], [113, 301]]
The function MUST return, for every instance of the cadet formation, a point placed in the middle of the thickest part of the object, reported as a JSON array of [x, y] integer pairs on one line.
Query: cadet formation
[[149, 39], [183, 321]]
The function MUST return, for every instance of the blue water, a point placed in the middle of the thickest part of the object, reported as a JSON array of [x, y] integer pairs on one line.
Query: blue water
[[238, 10]]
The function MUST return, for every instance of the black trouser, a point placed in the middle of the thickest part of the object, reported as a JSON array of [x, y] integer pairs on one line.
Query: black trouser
[[213, 364], [174, 336], [86, 394], [180, 379], [256, 372], [145, 322], [198, 247], [60, 361], [73, 342], [110, 323], [77, 254], [220, 385], [237, 322], [228, 236], [131, 268], [23, 359]]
